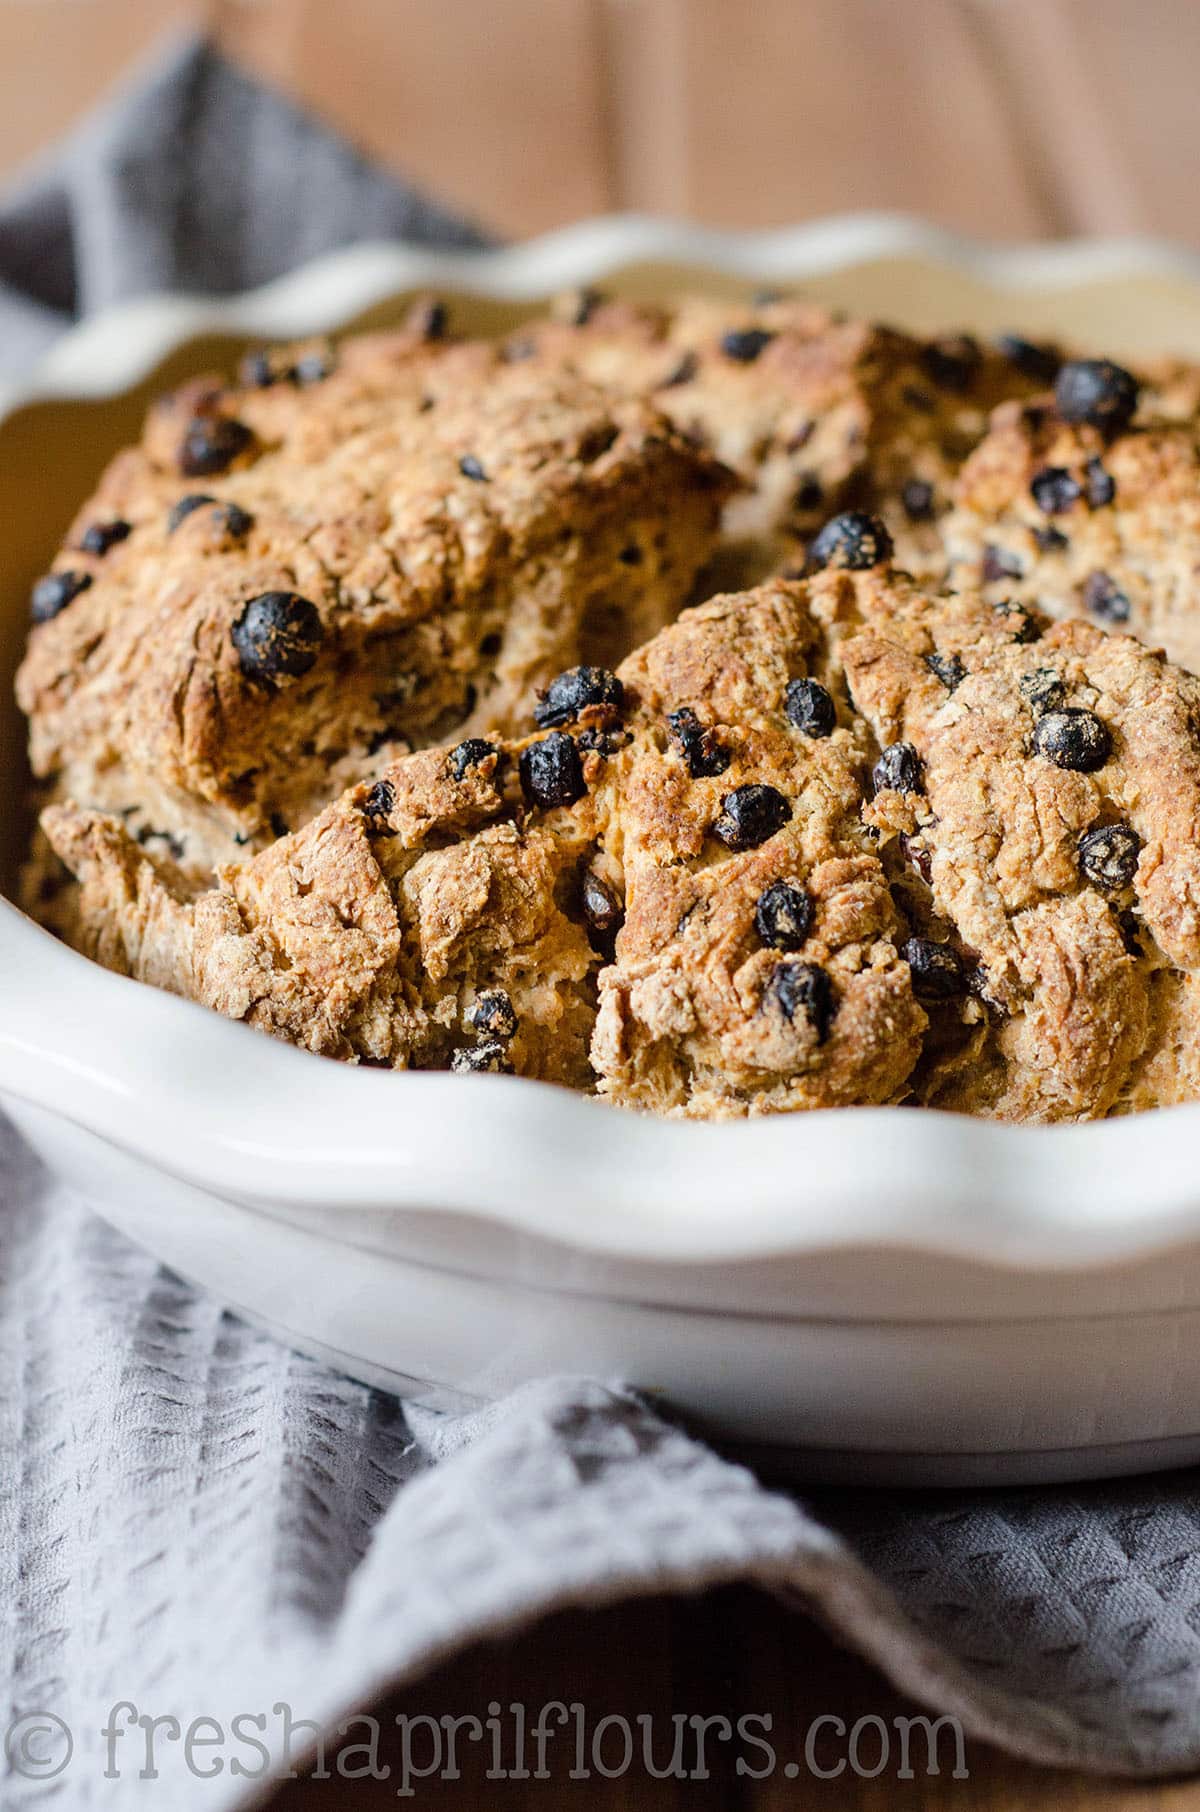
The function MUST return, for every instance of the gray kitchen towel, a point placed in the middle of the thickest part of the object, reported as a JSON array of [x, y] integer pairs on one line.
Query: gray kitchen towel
[[196, 1524], [193, 177]]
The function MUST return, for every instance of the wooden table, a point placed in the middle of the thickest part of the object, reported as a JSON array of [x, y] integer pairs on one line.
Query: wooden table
[[1012, 119], [734, 1652]]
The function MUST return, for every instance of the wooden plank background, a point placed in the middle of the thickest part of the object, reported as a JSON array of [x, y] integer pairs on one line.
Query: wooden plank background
[[734, 1653], [1007, 118]]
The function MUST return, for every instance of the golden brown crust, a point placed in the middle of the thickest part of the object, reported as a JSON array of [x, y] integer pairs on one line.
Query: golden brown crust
[[461, 528], [1079, 525], [758, 951], [827, 413], [1065, 965], [371, 933], [698, 1014], [836, 839]]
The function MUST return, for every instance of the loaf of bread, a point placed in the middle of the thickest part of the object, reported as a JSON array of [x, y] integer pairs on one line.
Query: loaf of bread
[[397, 703]]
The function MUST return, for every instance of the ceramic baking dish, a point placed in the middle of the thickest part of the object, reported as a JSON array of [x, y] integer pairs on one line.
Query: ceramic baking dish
[[872, 1293]]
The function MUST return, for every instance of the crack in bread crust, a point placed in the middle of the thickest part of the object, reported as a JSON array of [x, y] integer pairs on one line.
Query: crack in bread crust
[[828, 413]]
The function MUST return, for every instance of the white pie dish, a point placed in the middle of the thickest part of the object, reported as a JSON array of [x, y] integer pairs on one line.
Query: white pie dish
[[874, 1293]]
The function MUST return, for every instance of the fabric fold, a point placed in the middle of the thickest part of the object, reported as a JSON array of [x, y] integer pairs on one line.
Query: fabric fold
[[193, 176]]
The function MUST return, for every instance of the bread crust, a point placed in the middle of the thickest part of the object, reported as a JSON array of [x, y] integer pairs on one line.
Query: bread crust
[[461, 529], [1119, 547], [852, 834], [828, 413]]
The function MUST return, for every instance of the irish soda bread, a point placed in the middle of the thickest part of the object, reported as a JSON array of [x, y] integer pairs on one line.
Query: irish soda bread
[[724, 709]]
